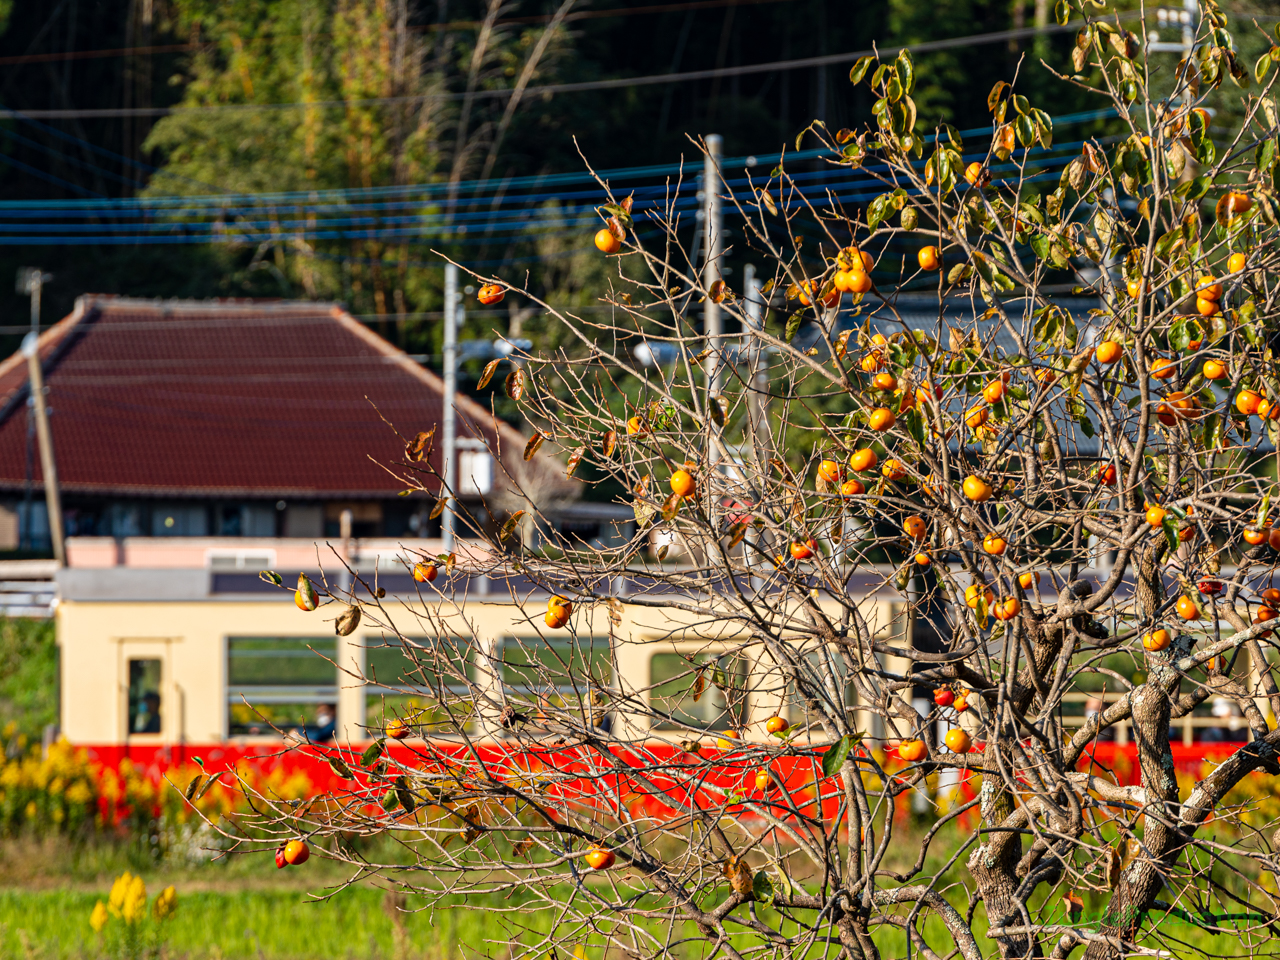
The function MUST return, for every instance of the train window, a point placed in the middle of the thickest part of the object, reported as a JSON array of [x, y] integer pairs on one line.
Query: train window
[[281, 683], [429, 682], [820, 675], [144, 696], [536, 663], [698, 690]]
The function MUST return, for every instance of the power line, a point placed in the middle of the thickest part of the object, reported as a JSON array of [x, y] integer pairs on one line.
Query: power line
[[929, 46], [428, 28]]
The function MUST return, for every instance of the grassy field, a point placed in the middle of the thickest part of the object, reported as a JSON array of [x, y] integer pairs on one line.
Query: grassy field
[[252, 925], [247, 909]]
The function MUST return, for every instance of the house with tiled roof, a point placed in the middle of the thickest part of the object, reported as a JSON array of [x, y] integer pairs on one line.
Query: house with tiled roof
[[229, 418]]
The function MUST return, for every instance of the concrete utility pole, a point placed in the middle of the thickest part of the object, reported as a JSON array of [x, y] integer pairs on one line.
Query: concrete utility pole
[[713, 232], [30, 348], [449, 441], [31, 281]]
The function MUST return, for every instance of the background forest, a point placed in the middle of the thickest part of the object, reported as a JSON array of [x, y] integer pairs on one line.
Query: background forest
[[367, 95]]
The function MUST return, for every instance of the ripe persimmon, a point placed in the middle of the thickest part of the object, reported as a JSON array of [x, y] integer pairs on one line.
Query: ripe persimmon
[[1187, 608], [558, 611], [425, 572], [1256, 535], [893, 470], [776, 724], [1236, 262], [884, 381], [912, 751], [881, 419], [1214, 370], [600, 859], [1162, 369], [296, 852], [862, 460], [976, 593], [1007, 608], [852, 488], [682, 484], [957, 740], [803, 551], [928, 258], [993, 391], [1156, 640], [994, 544], [606, 242], [830, 471], [1108, 352], [1206, 308], [396, 729], [1247, 402], [977, 489], [914, 527]]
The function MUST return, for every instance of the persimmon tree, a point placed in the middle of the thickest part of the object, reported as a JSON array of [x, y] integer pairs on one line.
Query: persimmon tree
[[1059, 499]]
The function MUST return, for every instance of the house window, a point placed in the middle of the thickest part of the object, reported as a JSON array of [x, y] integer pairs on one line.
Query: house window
[[144, 696], [678, 698], [179, 521], [285, 682], [428, 681]]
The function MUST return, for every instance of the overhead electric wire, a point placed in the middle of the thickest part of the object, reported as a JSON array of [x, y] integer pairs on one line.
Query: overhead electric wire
[[928, 46]]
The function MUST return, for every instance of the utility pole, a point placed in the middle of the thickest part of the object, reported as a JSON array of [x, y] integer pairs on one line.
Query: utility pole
[[450, 439], [713, 224], [31, 349], [757, 396], [31, 281]]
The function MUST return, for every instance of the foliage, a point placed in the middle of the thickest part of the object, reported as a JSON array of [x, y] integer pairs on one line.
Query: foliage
[[28, 678]]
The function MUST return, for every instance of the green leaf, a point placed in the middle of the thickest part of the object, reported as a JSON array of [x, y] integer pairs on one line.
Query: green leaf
[[1062, 12], [390, 800], [762, 887], [270, 576], [793, 326], [878, 210], [1262, 66], [1170, 526], [836, 754], [1087, 427], [860, 69], [373, 752], [340, 769], [906, 70]]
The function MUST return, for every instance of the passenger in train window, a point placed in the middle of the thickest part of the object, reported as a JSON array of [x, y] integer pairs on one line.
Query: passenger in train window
[[326, 725], [147, 719], [1091, 708], [1233, 730]]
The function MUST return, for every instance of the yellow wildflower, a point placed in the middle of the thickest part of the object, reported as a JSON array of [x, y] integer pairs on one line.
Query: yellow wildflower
[[115, 900], [98, 919], [166, 903], [134, 907]]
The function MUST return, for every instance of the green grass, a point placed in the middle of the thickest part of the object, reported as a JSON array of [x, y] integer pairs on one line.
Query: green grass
[[277, 925]]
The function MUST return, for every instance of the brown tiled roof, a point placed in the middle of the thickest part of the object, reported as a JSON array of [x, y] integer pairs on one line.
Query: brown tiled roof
[[244, 398]]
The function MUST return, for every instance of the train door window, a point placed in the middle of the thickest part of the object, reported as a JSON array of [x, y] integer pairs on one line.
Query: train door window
[[704, 690], [282, 684], [145, 677], [430, 682]]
